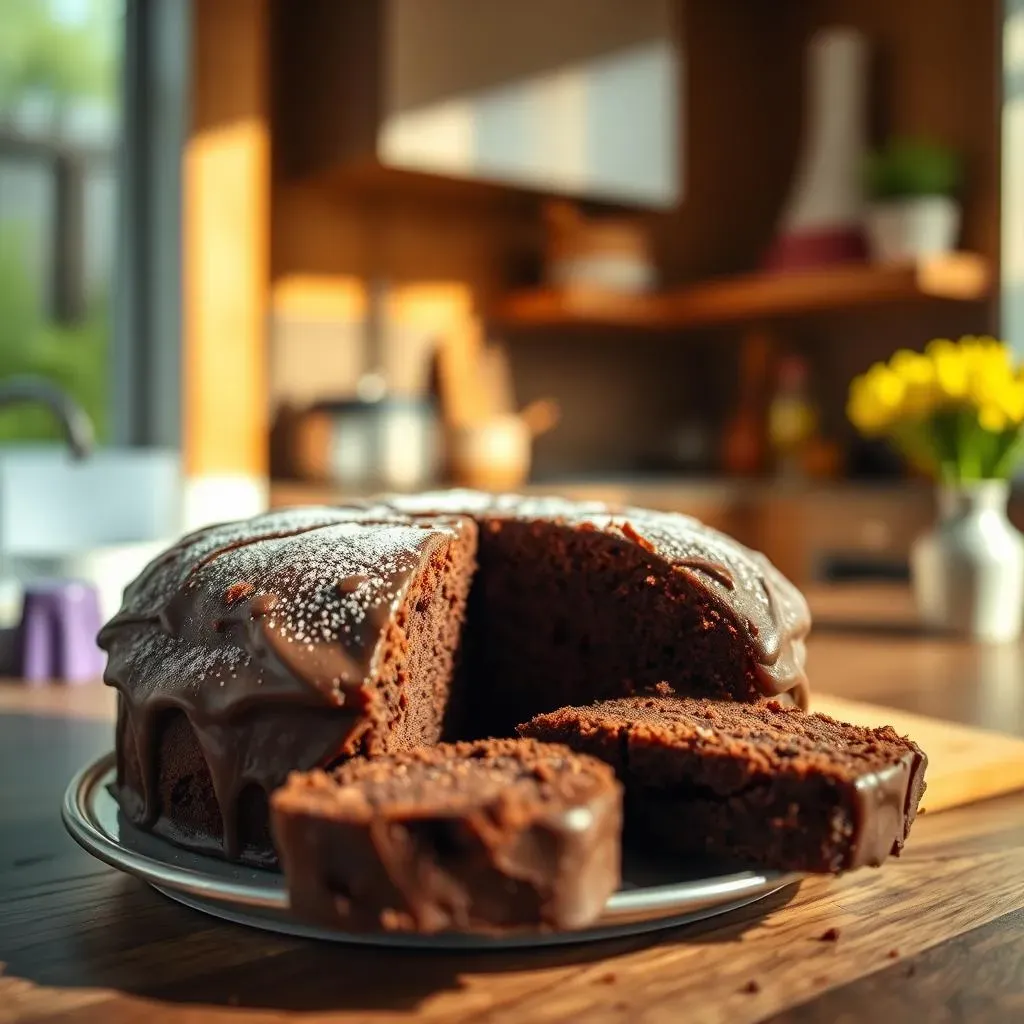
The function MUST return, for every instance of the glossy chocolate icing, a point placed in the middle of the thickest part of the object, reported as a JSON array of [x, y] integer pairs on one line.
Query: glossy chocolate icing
[[885, 804], [286, 609], [289, 610], [770, 612], [491, 836]]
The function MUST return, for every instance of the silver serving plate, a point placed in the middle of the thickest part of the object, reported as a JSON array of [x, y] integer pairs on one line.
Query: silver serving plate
[[653, 895]]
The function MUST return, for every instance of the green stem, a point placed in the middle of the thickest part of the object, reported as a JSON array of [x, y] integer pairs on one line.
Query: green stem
[[1005, 462], [968, 438]]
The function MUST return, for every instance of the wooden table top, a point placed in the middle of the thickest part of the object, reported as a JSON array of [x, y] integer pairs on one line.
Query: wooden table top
[[937, 935]]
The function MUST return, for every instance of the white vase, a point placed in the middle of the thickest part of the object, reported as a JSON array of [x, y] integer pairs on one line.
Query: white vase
[[968, 572], [903, 230]]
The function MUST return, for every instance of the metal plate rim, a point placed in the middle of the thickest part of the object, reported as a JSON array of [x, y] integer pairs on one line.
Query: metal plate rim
[[628, 911]]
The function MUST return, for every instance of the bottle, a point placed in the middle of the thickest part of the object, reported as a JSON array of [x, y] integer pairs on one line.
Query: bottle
[[743, 441], [792, 419]]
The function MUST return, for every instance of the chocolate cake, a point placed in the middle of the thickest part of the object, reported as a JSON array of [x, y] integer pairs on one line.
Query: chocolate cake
[[575, 602], [488, 836], [756, 783], [297, 639], [284, 642]]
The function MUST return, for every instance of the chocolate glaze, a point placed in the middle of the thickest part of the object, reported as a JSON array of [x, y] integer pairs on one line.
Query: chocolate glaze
[[768, 610], [493, 836], [241, 616], [719, 573], [885, 803], [288, 610], [246, 751]]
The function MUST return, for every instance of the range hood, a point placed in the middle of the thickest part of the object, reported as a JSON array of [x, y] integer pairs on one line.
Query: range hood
[[579, 97]]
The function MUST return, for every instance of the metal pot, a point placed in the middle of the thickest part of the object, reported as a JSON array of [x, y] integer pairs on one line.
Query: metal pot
[[392, 443]]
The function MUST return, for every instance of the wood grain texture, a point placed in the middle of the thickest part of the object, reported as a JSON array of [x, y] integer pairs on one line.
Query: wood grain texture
[[977, 977], [964, 764], [79, 942]]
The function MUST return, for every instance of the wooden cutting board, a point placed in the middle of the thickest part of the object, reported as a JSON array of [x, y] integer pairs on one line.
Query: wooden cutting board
[[964, 764]]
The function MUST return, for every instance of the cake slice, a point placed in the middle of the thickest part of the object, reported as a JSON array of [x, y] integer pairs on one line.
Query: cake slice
[[759, 783], [489, 836]]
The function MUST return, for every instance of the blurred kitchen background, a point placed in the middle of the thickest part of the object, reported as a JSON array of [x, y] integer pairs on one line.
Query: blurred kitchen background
[[272, 252]]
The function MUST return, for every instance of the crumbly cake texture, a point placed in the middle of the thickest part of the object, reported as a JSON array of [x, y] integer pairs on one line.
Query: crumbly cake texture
[[286, 642], [490, 836], [758, 783], [575, 601], [300, 638]]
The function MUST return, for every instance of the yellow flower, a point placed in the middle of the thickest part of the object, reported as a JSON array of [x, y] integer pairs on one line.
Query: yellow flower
[[950, 363], [1005, 405], [976, 375], [993, 388], [1014, 402], [992, 418], [991, 357], [875, 399], [921, 393]]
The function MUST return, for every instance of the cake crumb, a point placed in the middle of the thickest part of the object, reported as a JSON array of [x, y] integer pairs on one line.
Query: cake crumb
[[608, 978], [893, 954], [831, 935], [663, 689], [753, 986], [922, 810]]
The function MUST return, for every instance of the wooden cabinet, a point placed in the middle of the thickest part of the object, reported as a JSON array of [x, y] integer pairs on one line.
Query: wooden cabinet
[[530, 93]]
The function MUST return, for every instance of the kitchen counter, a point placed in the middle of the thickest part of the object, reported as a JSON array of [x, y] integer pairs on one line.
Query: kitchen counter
[[935, 935]]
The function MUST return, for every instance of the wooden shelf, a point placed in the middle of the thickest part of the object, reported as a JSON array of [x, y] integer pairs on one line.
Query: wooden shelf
[[962, 277]]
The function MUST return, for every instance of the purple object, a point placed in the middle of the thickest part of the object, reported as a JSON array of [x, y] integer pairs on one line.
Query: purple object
[[59, 623]]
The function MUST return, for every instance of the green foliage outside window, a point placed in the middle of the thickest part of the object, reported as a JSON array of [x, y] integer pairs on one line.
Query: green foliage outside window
[[64, 48], [73, 356], [63, 52]]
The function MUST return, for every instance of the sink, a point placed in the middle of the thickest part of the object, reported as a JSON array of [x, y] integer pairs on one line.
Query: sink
[[51, 503], [99, 519]]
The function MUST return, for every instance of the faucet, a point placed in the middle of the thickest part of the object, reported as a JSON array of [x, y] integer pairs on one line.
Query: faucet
[[74, 420]]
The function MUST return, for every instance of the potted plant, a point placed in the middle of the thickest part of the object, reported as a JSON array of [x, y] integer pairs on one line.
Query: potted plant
[[912, 207], [956, 412]]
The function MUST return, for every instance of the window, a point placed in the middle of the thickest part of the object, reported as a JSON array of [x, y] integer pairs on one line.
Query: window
[[60, 106]]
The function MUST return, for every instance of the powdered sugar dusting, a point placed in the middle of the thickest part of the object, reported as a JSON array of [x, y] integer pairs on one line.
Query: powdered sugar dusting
[[294, 602], [162, 577], [289, 603]]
